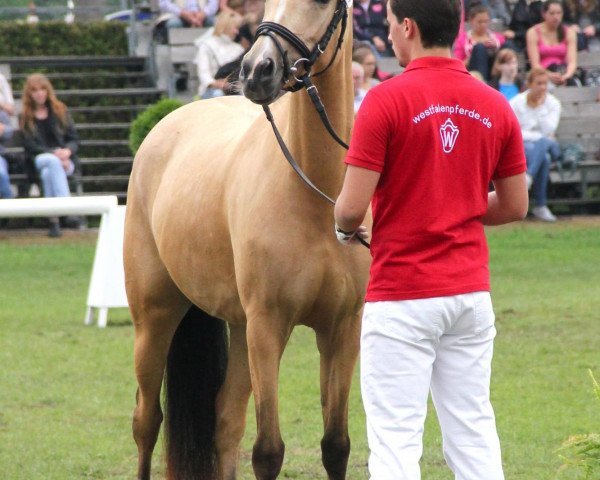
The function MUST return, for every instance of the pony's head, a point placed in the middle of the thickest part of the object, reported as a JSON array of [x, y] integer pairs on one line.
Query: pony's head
[[290, 39]]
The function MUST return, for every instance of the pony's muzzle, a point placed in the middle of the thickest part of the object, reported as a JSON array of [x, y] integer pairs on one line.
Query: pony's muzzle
[[261, 81]]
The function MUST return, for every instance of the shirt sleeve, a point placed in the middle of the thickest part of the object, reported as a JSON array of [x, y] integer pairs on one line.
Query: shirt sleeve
[[512, 158], [369, 141], [166, 6], [549, 116], [212, 6], [204, 60], [5, 91]]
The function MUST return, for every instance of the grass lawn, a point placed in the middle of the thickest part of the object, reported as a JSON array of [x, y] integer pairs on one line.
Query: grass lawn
[[67, 391]]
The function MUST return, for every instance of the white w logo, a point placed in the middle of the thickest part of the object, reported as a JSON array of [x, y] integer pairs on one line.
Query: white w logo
[[449, 133]]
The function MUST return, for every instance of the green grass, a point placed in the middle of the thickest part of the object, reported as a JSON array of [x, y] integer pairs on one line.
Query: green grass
[[67, 391]]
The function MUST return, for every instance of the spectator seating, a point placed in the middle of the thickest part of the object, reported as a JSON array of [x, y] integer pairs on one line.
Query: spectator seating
[[579, 124], [175, 66], [103, 94]]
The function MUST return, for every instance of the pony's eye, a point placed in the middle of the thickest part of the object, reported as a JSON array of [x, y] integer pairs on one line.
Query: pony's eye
[[322, 2]]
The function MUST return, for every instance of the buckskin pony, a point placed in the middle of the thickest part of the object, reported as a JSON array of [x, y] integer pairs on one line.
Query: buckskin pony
[[226, 251]]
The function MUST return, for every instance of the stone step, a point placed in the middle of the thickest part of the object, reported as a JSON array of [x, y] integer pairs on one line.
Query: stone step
[[104, 178], [106, 161]]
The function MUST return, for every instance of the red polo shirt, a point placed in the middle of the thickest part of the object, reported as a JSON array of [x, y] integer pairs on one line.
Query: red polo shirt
[[438, 136]]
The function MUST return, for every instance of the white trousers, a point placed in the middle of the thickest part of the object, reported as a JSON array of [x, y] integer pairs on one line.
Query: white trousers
[[410, 347]]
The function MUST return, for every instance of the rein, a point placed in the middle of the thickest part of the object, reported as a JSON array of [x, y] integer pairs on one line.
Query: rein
[[308, 59]]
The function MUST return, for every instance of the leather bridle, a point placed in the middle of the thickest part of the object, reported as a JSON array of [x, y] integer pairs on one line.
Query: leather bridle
[[307, 60], [307, 57]]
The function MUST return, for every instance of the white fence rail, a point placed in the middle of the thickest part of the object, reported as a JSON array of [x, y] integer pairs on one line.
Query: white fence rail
[[107, 282]]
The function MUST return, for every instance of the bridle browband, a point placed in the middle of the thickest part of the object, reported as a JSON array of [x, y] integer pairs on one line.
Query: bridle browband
[[307, 60]]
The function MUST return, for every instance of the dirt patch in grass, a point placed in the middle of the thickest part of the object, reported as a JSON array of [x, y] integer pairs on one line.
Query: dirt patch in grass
[[39, 236]]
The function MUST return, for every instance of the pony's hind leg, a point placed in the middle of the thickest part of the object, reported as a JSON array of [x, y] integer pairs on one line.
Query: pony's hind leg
[[157, 307], [339, 348], [152, 340], [232, 402]]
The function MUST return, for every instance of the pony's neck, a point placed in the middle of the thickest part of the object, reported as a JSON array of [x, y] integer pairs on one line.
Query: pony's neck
[[317, 153]]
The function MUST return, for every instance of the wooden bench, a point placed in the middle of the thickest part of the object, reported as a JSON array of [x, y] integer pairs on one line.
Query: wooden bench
[[389, 65], [588, 60], [582, 130], [579, 102], [175, 61]]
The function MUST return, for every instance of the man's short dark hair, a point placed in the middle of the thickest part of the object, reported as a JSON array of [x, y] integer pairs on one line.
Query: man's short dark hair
[[438, 20]]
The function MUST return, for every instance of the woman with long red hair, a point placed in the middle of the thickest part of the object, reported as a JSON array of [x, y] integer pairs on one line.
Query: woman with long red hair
[[49, 138]]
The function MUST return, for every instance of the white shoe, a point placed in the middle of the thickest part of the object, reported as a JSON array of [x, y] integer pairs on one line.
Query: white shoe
[[544, 214], [529, 181]]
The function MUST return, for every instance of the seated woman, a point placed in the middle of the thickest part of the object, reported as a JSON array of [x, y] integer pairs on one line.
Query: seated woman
[[370, 25], [505, 73], [553, 46], [216, 49], [538, 113], [50, 140], [478, 46], [363, 55]]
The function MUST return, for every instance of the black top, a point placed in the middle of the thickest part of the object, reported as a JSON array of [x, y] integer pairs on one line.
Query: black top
[[47, 133]]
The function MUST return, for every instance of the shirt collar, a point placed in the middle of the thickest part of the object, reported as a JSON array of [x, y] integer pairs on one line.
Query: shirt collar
[[436, 62]]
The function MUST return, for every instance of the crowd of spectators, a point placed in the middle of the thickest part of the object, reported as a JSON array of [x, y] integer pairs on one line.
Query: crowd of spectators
[[547, 34], [494, 35]]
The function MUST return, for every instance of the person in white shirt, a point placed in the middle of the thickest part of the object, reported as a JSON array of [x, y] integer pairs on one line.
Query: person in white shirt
[[539, 113], [7, 109], [215, 49], [358, 75], [188, 13]]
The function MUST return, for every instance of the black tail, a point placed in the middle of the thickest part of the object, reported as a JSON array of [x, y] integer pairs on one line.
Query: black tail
[[195, 371]]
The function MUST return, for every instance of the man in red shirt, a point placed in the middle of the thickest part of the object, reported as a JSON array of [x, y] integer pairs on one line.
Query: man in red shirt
[[425, 146]]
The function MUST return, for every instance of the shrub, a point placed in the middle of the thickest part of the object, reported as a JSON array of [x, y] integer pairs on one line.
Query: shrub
[[583, 451], [146, 120], [59, 38]]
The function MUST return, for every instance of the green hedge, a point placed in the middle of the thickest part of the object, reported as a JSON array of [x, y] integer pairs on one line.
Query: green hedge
[[59, 38], [146, 120]]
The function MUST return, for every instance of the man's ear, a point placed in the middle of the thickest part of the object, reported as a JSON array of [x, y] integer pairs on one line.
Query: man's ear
[[410, 27]]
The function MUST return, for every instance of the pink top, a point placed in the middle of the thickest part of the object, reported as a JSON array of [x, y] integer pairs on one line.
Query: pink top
[[463, 46], [550, 54]]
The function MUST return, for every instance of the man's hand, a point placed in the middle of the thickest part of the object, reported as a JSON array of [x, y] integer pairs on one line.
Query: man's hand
[[379, 44], [63, 153], [219, 83], [589, 31], [194, 19], [346, 238], [556, 78]]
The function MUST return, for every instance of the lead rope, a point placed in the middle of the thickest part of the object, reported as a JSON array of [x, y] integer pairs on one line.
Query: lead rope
[[269, 29], [289, 157]]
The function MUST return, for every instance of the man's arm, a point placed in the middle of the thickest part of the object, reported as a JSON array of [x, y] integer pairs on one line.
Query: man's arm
[[355, 197], [509, 202]]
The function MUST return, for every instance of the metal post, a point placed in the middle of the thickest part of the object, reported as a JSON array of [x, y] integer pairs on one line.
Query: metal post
[[132, 37]]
